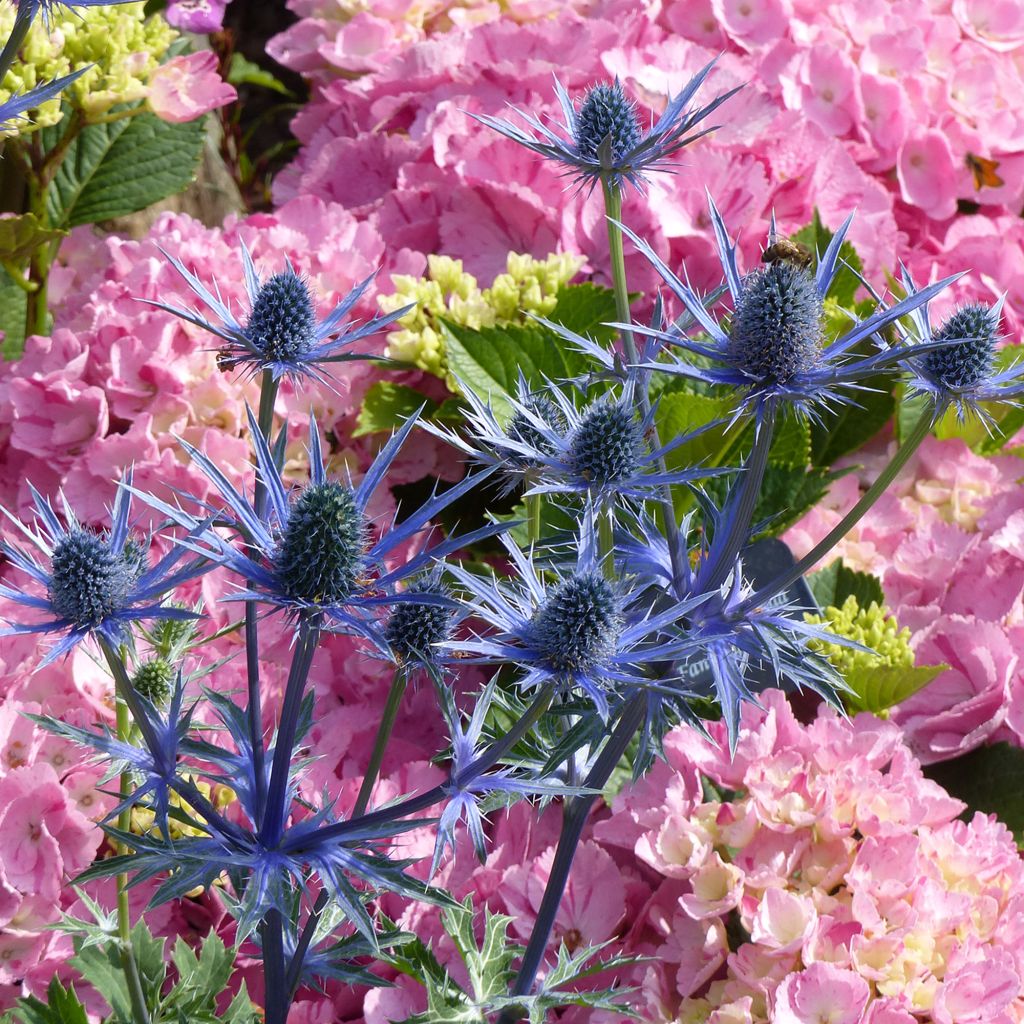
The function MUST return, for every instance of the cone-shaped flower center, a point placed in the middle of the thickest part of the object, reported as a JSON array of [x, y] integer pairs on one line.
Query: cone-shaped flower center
[[964, 363], [578, 625], [606, 112], [89, 582], [153, 680], [414, 629], [282, 325], [777, 326], [524, 430], [607, 445], [321, 552]]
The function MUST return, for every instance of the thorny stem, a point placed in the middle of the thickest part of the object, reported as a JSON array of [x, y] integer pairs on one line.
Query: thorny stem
[[842, 528]]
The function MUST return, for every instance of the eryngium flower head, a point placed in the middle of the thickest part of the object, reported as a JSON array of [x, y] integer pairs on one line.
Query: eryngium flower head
[[603, 140], [321, 549], [312, 550], [578, 625], [570, 628], [154, 680], [776, 329], [555, 448], [282, 335], [970, 357], [95, 583], [774, 352], [958, 365], [414, 631]]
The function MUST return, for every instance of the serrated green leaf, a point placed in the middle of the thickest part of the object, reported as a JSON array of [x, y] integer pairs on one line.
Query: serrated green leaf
[[786, 494], [832, 585], [680, 413], [114, 169], [387, 406], [242, 71], [13, 310], [21, 235], [791, 445], [586, 308], [878, 688], [200, 979], [852, 425], [490, 360], [816, 236], [489, 965], [62, 1006], [989, 779]]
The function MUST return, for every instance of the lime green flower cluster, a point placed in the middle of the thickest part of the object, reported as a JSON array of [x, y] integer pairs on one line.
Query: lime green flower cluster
[[873, 627], [449, 293], [123, 46]]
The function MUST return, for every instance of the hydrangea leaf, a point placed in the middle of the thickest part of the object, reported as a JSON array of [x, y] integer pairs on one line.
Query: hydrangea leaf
[[832, 585], [816, 236], [679, 413], [586, 309], [791, 446], [242, 71], [852, 425], [115, 169], [386, 406], [879, 688], [989, 779], [20, 236], [13, 307]]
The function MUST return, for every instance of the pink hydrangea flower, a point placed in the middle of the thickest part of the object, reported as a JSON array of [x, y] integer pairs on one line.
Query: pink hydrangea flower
[[188, 86]]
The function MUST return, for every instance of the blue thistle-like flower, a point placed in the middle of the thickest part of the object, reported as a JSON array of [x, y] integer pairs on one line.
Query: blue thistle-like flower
[[774, 351], [958, 365], [776, 329], [282, 335], [554, 448], [313, 550], [603, 140], [95, 583], [571, 630], [414, 632]]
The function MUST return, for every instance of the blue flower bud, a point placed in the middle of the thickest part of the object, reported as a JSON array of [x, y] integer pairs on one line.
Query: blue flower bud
[[606, 112], [321, 553], [413, 630], [88, 581], [521, 429], [282, 325], [964, 363], [578, 625], [154, 679], [777, 325], [608, 444]]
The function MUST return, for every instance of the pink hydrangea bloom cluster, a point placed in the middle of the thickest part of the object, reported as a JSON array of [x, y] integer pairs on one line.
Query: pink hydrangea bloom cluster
[[900, 110], [108, 389], [822, 878], [947, 542]]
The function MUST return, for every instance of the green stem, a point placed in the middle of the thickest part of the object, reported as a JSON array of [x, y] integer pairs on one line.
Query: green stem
[[534, 504], [387, 724], [606, 541], [910, 445]]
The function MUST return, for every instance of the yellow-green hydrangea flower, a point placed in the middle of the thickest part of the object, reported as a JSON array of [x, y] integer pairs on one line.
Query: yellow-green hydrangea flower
[[873, 627], [123, 46], [447, 292]]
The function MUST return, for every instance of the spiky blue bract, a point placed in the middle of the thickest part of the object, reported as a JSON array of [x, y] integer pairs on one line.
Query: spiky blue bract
[[281, 335], [956, 365], [598, 451], [777, 355], [19, 104], [94, 583], [312, 550], [603, 139], [567, 628], [776, 328]]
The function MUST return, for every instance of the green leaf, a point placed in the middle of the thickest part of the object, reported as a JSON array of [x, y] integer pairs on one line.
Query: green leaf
[[852, 425], [787, 493], [832, 585], [680, 413], [791, 445], [13, 311], [62, 1006], [586, 308], [989, 779], [387, 406], [878, 688], [816, 236], [242, 71], [489, 965], [20, 237], [115, 169], [200, 979], [490, 360]]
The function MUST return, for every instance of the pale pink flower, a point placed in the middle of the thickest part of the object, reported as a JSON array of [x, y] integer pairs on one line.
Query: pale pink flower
[[188, 86], [979, 993], [821, 993], [926, 171], [783, 921]]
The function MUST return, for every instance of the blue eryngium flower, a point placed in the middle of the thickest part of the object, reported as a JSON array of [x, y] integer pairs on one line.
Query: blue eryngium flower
[[774, 350], [282, 335], [600, 451], [571, 629], [415, 631], [604, 141], [312, 550], [95, 583], [963, 372]]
